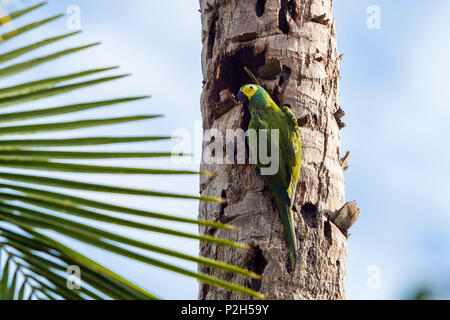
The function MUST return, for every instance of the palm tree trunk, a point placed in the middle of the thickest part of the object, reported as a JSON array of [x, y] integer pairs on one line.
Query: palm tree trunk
[[291, 47]]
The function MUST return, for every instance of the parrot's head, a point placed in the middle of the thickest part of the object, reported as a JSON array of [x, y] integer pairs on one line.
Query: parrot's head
[[247, 92]]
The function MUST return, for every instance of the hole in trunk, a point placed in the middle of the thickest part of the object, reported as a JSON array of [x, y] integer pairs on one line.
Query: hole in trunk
[[212, 37], [303, 121], [260, 7], [282, 17], [222, 206], [276, 95], [309, 213], [327, 231], [293, 10], [204, 291], [230, 74], [256, 263], [285, 74]]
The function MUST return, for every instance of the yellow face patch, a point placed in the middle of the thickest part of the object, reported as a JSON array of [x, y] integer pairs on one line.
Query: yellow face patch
[[249, 90]]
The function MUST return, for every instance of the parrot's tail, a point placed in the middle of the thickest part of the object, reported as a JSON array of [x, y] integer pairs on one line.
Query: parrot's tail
[[287, 219]]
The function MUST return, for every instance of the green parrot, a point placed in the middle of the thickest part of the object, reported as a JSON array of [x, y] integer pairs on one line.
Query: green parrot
[[267, 115]]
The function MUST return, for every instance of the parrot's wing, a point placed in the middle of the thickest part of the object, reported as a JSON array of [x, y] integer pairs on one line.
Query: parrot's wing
[[279, 179], [255, 124], [293, 152], [290, 117]]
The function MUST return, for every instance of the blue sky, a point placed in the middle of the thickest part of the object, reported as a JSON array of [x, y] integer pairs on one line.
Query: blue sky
[[394, 90]]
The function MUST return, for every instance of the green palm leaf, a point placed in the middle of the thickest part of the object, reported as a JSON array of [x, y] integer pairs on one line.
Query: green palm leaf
[[19, 13], [74, 142], [46, 112], [12, 34], [35, 209], [24, 66], [5, 57]]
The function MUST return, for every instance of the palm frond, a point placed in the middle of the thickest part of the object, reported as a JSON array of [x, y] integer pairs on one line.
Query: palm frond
[[5, 57], [74, 142], [35, 209], [19, 13], [12, 34], [34, 86], [24, 66]]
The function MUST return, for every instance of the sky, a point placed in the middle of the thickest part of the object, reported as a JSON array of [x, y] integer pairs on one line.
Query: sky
[[394, 91]]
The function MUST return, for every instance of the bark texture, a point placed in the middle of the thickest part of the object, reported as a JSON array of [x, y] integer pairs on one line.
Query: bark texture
[[291, 47]]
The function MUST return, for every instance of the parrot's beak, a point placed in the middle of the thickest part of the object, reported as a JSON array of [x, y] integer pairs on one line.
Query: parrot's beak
[[242, 97]]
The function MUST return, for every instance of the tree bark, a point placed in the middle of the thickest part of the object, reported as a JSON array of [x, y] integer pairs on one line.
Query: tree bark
[[290, 45]]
